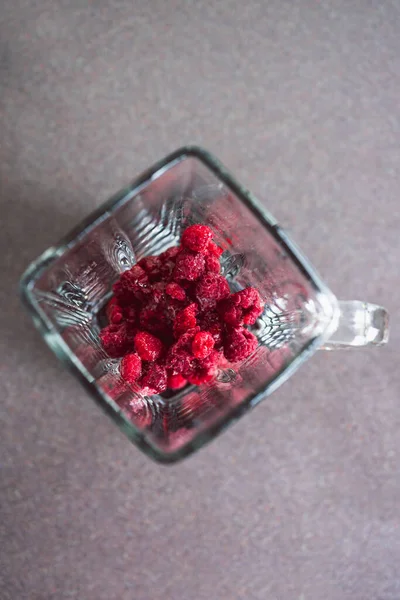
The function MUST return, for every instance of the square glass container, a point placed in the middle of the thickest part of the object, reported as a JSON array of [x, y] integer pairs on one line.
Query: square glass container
[[67, 288]]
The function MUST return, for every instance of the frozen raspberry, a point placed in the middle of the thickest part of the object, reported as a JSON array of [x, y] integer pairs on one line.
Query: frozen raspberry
[[185, 319], [179, 362], [180, 357], [201, 376], [175, 291], [147, 346], [248, 297], [239, 344], [211, 288], [212, 360], [130, 282], [156, 293], [214, 250], [189, 265], [152, 265], [149, 263], [154, 321], [176, 382], [186, 339], [169, 254], [231, 313], [202, 344], [242, 307], [167, 270], [197, 238], [206, 369], [251, 314], [208, 318], [212, 264], [154, 380], [171, 309], [130, 313], [114, 312], [131, 367], [175, 313], [190, 288], [115, 341], [210, 321], [217, 333]]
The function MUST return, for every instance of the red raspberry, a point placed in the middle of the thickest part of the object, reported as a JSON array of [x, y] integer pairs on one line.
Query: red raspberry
[[190, 289], [130, 313], [180, 358], [131, 367], [154, 380], [211, 288], [189, 265], [208, 319], [175, 291], [150, 264], [214, 250], [185, 340], [201, 376], [197, 238], [242, 307], [154, 321], [114, 340], [212, 360], [206, 369], [156, 293], [166, 270], [114, 311], [239, 344], [129, 284], [231, 314], [169, 254], [248, 297], [212, 264], [148, 346], [217, 333], [202, 344], [172, 308], [176, 382], [179, 361], [185, 319], [251, 314]]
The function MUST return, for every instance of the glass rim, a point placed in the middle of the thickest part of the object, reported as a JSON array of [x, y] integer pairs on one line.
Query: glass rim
[[68, 359]]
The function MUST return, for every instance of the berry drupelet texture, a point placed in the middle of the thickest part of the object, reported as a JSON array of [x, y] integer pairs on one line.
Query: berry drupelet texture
[[173, 320]]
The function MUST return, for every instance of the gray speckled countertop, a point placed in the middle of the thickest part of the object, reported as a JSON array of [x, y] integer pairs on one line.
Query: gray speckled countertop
[[301, 99]]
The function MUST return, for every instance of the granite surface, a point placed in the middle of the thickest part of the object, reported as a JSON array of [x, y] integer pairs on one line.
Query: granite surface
[[301, 99]]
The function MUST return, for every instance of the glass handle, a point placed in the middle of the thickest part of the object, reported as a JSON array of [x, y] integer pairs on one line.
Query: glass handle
[[359, 324]]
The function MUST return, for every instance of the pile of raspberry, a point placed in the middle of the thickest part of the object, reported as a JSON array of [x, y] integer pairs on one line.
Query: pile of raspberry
[[173, 320]]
